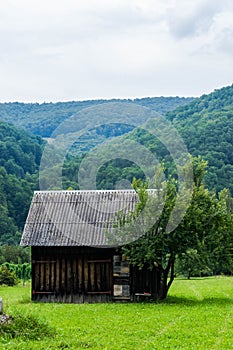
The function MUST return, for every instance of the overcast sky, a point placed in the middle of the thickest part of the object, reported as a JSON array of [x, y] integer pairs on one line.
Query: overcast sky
[[85, 49]]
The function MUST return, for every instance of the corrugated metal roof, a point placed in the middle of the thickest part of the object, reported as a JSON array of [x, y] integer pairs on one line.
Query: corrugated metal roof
[[74, 218]]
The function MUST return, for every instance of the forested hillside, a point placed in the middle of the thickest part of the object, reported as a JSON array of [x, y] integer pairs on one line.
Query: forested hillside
[[20, 154], [43, 119], [20, 151], [205, 124]]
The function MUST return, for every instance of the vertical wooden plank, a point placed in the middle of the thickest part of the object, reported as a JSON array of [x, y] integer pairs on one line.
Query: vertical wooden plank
[[74, 271], [80, 274], [98, 277], [36, 278], [63, 274], [102, 277], [57, 281], [52, 272], [108, 274], [107, 277], [68, 276], [92, 277], [47, 276], [89, 277], [71, 279], [44, 274], [85, 262], [34, 281], [39, 277], [95, 277], [41, 266]]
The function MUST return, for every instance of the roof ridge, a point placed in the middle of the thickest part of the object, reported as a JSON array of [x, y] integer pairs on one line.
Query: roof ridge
[[83, 191], [89, 191]]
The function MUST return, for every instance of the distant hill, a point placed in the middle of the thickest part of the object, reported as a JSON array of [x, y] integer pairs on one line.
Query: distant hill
[[43, 119]]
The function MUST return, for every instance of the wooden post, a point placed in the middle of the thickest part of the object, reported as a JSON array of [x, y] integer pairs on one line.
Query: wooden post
[[1, 306]]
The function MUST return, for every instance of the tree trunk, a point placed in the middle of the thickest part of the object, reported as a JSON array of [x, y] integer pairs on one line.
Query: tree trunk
[[162, 292], [165, 284]]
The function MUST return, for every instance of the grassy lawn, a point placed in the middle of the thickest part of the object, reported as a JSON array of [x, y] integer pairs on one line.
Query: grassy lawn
[[198, 314]]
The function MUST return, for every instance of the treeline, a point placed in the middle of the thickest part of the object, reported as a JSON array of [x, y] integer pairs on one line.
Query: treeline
[[43, 119]]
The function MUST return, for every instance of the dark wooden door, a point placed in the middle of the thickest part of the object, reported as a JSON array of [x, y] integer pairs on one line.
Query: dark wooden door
[[100, 276]]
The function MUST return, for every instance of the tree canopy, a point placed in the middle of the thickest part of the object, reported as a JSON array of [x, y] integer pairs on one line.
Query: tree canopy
[[43, 119], [205, 230]]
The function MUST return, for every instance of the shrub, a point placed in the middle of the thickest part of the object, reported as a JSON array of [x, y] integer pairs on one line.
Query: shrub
[[7, 277], [26, 328], [22, 271]]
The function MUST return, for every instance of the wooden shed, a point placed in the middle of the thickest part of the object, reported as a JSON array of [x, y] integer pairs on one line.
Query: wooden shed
[[71, 261]]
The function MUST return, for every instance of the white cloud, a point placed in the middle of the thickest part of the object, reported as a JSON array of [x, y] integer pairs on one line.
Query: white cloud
[[65, 50]]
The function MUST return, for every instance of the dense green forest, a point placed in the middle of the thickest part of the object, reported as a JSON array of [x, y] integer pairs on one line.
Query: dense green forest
[[20, 154], [20, 151], [206, 126], [43, 119]]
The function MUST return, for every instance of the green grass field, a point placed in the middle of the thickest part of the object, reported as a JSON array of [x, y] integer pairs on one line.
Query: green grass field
[[198, 314]]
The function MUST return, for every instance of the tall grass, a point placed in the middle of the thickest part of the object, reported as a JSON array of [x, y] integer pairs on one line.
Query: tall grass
[[198, 314]]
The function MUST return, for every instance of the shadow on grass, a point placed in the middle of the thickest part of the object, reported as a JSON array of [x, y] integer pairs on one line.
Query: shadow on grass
[[195, 302]]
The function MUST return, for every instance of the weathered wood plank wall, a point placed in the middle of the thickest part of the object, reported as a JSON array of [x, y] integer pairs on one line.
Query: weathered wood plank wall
[[145, 281], [81, 274], [71, 275]]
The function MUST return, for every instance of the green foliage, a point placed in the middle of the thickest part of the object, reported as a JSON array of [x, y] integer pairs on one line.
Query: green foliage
[[7, 277], [15, 254], [191, 263], [19, 161], [17, 261], [20, 151], [21, 271], [43, 119], [206, 127], [24, 328], [15, 198], [205, 124], [205, 230]]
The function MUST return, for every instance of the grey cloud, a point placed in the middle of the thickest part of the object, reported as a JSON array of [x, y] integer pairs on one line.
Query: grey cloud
[[186, 24]]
